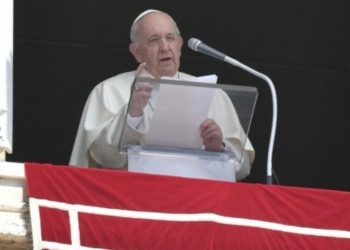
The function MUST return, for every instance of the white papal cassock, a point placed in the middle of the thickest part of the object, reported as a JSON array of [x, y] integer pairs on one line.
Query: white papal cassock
[[101, 125]]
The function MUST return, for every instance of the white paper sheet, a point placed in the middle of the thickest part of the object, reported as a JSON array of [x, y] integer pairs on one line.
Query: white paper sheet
[[179, 112]]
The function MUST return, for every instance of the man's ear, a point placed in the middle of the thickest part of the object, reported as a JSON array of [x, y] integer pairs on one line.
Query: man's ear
[[135, 51], [181, 41]]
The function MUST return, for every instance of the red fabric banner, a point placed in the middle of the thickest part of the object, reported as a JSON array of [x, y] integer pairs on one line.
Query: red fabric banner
[[123, 210]]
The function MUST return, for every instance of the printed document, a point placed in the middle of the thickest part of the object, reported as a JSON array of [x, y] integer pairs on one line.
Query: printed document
[[179, 112]]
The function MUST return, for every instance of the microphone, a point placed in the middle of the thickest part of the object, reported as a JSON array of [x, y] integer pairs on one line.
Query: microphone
[[197, 45]]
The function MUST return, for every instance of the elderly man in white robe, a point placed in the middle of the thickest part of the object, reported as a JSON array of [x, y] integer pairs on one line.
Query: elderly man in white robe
[[156, 45]]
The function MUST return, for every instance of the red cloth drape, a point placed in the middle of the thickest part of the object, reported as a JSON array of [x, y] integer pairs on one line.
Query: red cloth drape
[[300, 207]]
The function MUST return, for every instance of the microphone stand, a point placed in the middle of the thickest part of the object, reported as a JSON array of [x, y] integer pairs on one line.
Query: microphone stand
[[274, 113]]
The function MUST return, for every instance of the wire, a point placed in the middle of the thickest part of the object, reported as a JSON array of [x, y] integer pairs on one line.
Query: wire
[[276, 178]]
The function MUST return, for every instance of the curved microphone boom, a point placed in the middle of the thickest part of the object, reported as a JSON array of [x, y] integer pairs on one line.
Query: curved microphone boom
[[197, 45]]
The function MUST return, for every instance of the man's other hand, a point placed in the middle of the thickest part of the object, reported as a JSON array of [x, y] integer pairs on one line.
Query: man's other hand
[[212, 135]]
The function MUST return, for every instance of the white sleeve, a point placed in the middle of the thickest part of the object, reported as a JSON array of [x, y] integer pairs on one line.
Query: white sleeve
[[104, 151], [134, 121]]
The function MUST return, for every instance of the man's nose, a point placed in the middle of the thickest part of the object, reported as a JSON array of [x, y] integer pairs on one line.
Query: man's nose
[[164, 44]]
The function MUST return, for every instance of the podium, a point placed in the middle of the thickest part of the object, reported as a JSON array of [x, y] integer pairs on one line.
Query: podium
[[174, 151]]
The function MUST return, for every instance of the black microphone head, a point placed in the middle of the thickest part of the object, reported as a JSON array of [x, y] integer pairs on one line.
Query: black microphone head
[[193, 43]]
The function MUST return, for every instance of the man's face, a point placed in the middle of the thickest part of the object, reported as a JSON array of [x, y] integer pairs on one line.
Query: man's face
[[159, 45]]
